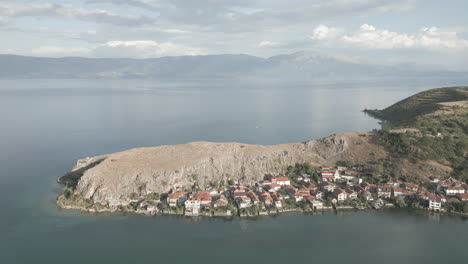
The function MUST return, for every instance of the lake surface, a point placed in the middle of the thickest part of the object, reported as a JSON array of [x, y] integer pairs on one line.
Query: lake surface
[[46, 125]]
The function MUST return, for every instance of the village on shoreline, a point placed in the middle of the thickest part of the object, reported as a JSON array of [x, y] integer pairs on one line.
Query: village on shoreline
[[302, 188]]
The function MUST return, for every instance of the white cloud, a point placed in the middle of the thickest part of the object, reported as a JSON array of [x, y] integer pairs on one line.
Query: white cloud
[[369, 36], [56, 51], [73, 34], [247, 15], [322, 32], [175, 31], [268, 44], [68, 11], [144, 49], [434, 38], [8, 51], [116, 49]]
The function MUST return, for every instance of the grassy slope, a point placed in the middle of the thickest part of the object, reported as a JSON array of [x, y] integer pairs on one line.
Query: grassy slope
[[442, 130], [423, 103]]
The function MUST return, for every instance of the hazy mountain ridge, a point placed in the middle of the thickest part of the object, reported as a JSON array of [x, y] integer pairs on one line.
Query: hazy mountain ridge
[[301, 65]]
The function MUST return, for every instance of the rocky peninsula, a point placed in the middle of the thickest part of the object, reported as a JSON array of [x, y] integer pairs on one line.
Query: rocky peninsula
[[148, 179], [160, 169]]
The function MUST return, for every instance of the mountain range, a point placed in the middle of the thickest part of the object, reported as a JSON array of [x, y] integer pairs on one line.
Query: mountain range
[[296, 66]]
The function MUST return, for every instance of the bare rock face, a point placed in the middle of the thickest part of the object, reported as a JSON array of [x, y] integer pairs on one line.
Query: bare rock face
[[159, 169]]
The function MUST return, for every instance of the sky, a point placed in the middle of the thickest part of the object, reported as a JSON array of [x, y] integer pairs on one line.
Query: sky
[[426, 33]]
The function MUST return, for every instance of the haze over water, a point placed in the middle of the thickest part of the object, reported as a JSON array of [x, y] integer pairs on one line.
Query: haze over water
[[46, 125]]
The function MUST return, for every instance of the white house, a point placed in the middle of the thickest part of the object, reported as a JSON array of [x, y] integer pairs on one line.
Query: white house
[[173, 199], [384, 191], [317, 204], [397, 191], [340, 194], [366, 195], [300, 178], [454, 190], [152, 208], [273, 187], [328, 186], [244, 202], [351, 180], [342, 168], [220, 202], [330, 175], [283, 181], [192, 207], [278, 204], [435, 203], [318, 194], [296, 196]]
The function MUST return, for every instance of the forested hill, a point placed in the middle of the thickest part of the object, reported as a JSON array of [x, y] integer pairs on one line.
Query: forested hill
[[431, 125]]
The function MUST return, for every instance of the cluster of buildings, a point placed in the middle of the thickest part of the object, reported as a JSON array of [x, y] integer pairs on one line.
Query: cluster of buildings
[[450, 190], [335, 185], [194, 202]]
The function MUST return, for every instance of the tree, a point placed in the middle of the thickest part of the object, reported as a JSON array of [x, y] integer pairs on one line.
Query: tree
[[133, 196], [153, 196], [67, 192], [400, 202]]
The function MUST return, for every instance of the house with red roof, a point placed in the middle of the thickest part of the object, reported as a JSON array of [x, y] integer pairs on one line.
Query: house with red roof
[[318, 194], [330, 175], [454, 190], [434, 202], [412, 187], [423, 195], [283, 181], [463, 196], [220, 201], [340, 194], [266, 198], [397, 191], [265, 182], [177, 198], [243, 202], [309, 198], [368, 187], [203, 197], [273, 187], [290, 189]]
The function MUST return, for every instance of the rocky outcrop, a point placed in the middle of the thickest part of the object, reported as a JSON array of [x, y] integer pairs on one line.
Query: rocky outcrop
[[158, 169]]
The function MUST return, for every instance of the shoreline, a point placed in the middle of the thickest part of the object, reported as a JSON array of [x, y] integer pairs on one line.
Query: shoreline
[[221, 215], [261, 214]]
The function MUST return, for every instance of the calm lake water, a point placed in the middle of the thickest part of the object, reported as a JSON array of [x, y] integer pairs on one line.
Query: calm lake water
[[46, 125]]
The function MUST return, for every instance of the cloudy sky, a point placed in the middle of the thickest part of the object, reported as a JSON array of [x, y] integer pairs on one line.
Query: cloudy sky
[[425, 32]]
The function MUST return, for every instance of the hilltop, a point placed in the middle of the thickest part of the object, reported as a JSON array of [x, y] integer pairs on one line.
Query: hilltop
[[406, 111], [161, 169]]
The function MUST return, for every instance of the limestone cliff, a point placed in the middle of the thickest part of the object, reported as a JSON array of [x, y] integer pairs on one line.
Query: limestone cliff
[[158, 169]]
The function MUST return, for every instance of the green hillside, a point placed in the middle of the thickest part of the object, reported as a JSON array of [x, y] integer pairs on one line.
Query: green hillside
[[423, 103], [431, 125]]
